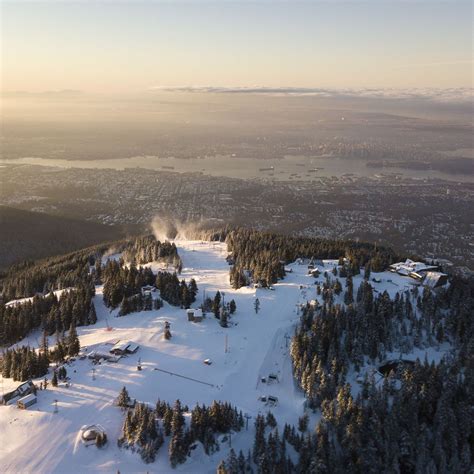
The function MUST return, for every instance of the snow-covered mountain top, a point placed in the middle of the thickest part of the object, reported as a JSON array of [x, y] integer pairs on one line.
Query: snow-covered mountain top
[[39, 440]]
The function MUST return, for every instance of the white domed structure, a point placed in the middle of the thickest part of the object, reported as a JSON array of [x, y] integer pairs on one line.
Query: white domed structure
[[89, 433]]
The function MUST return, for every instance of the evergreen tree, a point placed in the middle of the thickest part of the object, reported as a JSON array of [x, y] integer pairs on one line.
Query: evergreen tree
[[303, 422], [223, 319], [123, 399], [177, 449], [73, 345], [217, 305], [259, 445]]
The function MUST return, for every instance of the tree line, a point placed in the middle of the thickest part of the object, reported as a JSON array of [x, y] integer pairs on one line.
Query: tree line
[[139, 302], [174, 291], [24, 363], [416, 418], [145, 428], [262, 255], [268, 454], [123, 285], [55, 273], [49, 313], [417, 421], [122, 281], [147, 249], [45, 310], [331, 339]]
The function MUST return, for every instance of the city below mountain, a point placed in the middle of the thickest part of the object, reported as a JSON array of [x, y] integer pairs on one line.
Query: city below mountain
[[237, 237]]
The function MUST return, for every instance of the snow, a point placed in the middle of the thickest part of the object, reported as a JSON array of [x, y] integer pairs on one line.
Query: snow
[[258, 345], [58, 294], [409, 266]]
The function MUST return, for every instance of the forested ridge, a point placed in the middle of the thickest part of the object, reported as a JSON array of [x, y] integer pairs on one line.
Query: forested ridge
[[77, 273], [50, 313], [264, 254], [29, 278], [417, 419], [44, 309]]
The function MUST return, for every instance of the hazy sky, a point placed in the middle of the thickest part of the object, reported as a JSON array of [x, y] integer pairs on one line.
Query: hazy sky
[[132, 46]]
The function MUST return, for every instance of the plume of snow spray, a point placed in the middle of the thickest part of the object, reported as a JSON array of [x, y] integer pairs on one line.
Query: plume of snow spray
[[168, 228]]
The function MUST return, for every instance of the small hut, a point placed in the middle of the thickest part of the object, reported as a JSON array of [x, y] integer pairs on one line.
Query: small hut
[[194, 315], [25, 402]]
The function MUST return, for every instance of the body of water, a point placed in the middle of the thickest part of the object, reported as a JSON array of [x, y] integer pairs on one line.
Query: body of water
[[290, 168]]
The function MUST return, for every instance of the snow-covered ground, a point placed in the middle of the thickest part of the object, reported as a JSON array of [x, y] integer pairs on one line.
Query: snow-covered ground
[[39, 440], [58, 293]]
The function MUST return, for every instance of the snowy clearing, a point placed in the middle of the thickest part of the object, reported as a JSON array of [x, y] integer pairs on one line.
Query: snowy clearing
[[39, 440]]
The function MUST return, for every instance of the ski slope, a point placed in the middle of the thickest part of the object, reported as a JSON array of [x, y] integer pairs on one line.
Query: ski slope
[[41, 441]]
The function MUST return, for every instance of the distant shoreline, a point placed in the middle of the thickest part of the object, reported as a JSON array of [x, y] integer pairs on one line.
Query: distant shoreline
[[453, 166], [296, 168]]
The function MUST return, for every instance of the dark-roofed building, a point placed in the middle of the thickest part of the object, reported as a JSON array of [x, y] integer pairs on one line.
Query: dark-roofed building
[[22, 390], [435, 279], [124, 347]]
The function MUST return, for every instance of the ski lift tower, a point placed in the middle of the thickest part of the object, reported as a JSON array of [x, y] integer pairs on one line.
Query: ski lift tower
[[108, 326], [247, 418]]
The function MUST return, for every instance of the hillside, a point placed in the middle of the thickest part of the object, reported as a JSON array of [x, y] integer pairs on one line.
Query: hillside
[[28, 235], [255, 345]]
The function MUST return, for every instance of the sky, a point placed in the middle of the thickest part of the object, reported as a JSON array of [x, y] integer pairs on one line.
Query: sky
[[132, 46]]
